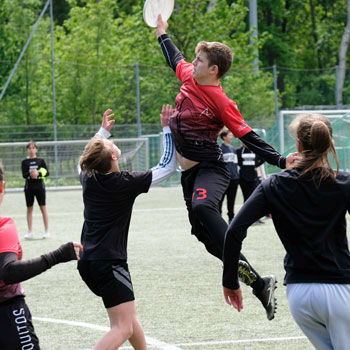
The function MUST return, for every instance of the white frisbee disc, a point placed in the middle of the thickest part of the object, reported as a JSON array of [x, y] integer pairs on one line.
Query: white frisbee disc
[[153, 8]]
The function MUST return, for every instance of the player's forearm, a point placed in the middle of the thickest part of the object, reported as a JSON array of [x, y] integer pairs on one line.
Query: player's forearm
[[171, 53], [15, 271], [167, 164], [257, 145]]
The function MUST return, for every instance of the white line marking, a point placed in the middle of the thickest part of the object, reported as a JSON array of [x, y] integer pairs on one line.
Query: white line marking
[[151, 341], [241, 341]]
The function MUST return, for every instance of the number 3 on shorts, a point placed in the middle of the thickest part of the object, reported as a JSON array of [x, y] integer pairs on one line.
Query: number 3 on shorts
[[200, 192]]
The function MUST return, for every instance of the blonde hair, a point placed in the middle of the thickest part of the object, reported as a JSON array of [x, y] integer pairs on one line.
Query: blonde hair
[[314, 133], [97, 156], [218, 54]]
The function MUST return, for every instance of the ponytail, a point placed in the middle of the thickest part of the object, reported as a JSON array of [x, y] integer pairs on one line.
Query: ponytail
[[314, 133]]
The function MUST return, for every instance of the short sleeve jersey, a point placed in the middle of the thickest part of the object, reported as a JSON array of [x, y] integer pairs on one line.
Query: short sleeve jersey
[[231, 160], [9, 243], [108, 201], [201, 112]]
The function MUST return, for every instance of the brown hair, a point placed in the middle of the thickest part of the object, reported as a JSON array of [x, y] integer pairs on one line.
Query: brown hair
[[314, 133], [224, 133], [31, 143], [218, 54], [96, 156], [2, 172]]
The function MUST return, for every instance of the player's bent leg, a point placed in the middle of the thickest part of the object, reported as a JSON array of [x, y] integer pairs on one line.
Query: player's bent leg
[[138, 340], [121, 321], [301, 297], [337, 310]]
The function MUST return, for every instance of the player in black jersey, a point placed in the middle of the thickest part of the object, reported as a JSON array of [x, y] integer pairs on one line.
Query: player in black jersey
[[35, 171], [308, 205], [109, 195]]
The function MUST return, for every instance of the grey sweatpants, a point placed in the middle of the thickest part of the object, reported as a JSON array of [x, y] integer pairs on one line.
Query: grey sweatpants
[[322, 311]]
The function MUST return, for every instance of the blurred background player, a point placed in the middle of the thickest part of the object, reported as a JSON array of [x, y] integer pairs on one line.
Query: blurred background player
[[16, 328], [230, 158], [248, 161], [202, 110], [308, 206], [109, 195], [35, 171]]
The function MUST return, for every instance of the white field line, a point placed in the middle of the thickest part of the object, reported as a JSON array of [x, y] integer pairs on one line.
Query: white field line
[[150, 341], [164, 346]]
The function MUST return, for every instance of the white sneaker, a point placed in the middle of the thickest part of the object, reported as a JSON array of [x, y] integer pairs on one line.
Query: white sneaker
[[29, 235], [46, 234]]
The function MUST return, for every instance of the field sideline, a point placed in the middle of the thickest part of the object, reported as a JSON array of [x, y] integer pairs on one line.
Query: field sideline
[[177, 283]]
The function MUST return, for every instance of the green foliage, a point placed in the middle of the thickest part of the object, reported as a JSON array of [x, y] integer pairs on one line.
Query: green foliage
[[98, 43]]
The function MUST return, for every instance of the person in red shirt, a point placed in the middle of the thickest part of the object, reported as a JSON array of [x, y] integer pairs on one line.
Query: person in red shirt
[[202, 110], [17, 331]]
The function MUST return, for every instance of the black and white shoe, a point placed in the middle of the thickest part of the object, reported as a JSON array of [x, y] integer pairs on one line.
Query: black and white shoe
[[267, 296]]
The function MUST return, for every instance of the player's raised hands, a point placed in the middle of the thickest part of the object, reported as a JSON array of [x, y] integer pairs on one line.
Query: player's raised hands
[[162, 26], [234, 297], [167, 111], [106, 122]]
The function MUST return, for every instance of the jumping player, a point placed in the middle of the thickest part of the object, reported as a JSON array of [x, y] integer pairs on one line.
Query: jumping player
[[308, 206], [35, 171], [202, 109], [16, 328], [230, 158], [109, 195]]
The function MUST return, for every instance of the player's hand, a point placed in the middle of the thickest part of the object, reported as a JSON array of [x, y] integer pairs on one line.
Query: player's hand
[[234, 297], [162, 26], [167, 111], [34, 173], [77, 248], [106, 122], [292, 159]]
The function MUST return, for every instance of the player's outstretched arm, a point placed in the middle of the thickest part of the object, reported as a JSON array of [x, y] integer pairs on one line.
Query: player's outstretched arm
[[167, 164], [13, 270], [104, 130], [171, 53]]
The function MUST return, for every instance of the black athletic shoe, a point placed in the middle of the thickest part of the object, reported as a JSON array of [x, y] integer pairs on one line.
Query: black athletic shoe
[[267, 296], [245, 273]]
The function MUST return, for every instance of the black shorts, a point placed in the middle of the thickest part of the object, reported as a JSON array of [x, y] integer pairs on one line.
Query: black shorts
[[108, 279], [40, 195], [16, 327]]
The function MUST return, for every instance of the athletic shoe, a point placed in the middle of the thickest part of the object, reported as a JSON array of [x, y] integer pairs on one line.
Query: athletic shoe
[[267, 296], [245, 273], [46, 234], [29, 235]]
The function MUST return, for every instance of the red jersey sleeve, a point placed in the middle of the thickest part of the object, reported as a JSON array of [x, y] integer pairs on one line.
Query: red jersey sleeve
[[184, 70], [9, 242], [234, 121]]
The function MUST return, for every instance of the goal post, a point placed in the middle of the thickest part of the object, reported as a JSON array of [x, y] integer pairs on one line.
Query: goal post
[[62, 158], [340, 120]]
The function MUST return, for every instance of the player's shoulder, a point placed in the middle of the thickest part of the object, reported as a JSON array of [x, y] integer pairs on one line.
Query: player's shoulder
[[343, 178]]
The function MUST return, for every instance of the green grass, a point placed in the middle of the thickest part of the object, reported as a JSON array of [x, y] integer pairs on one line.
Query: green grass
[[177, 283]]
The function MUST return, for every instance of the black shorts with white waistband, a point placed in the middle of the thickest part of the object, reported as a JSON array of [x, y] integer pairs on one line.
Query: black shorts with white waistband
[[108, 279]]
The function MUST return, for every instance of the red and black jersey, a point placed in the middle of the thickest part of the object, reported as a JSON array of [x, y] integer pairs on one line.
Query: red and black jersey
[[201, 112], [9, 243]]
